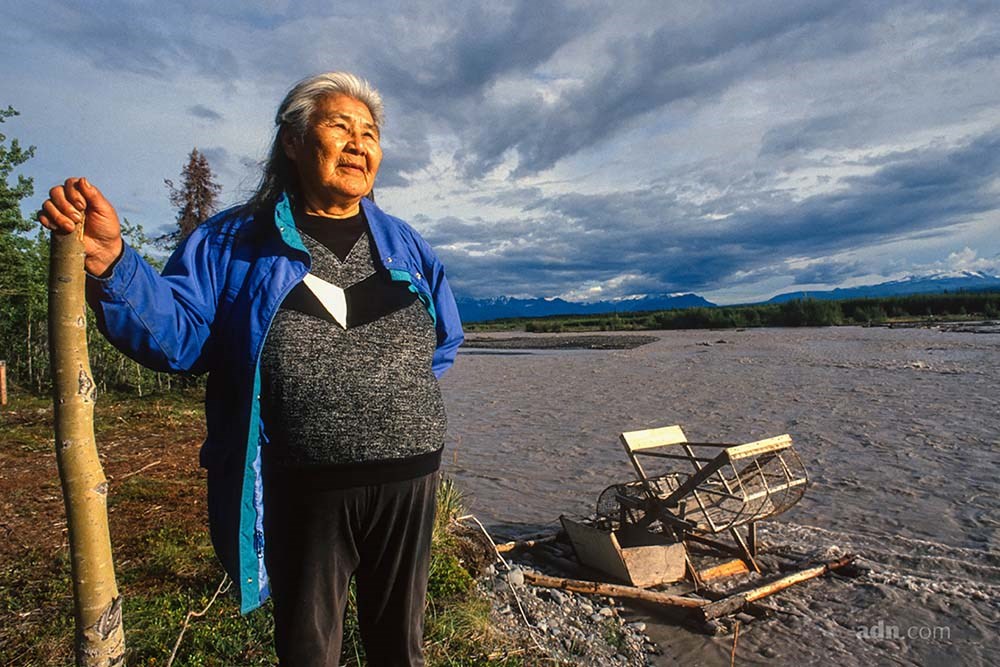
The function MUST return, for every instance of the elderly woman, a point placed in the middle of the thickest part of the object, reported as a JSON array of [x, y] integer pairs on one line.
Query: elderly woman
[[324, 324]]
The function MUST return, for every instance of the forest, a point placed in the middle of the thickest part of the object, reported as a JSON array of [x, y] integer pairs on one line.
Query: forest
[[24, 275]]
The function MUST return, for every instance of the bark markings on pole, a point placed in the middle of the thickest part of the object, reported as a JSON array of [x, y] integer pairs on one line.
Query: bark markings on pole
[[100, 639]]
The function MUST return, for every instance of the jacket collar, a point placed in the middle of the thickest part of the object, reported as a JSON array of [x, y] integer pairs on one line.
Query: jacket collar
[[392, 248], [385, 232]]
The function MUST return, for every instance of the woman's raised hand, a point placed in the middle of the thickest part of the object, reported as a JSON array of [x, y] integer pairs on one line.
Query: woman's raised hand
[[102, 234]]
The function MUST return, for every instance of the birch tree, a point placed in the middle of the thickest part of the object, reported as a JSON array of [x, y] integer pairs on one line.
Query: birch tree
[[100, 639]]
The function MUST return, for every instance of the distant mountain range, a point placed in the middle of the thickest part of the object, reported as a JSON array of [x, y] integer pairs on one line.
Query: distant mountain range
[[478, 310], [969, 281]]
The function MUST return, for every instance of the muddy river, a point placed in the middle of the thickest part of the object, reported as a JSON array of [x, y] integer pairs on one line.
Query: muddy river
[[899, 430]]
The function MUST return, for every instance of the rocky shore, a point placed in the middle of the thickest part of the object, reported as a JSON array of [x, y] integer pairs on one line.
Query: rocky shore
[[546, 625], [564, 627]]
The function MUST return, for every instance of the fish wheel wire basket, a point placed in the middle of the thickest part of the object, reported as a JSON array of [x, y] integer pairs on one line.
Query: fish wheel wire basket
[[744, 491], [739, 493]]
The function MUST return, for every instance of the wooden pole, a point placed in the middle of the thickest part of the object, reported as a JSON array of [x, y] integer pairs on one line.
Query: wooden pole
[[734, 603], [100, 640], [3, 383], [613, 590]]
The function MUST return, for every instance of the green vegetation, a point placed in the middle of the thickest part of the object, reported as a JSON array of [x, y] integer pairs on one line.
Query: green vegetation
[[797, 313], [163, 553], [23, 266], [613, 634], [24, 271]]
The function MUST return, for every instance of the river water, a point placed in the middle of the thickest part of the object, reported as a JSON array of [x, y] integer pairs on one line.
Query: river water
[[899, 430]]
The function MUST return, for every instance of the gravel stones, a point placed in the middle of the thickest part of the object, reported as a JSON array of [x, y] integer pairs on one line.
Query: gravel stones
[[516, 577], [568, 628]]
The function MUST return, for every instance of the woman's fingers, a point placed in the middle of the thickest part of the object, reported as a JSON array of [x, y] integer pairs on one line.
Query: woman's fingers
[[73, 193], [61, 196], [55, 217]]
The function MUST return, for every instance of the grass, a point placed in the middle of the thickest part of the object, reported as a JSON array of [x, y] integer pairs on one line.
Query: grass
[[613, 634], [163, 554]]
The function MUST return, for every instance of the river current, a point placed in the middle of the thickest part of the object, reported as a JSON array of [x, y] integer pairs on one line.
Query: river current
[[899, 430]]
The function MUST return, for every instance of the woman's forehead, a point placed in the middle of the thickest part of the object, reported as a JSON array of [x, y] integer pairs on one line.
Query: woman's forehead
[[343, 106]]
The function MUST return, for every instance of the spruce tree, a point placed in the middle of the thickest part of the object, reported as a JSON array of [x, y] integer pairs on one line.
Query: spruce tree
[[23, 268], [14, 246], [196, 199]]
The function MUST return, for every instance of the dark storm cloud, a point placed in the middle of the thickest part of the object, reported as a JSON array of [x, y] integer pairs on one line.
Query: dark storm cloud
[[758, 109], [673, 64], [579, 238], [120, 37], [511, 196], [480, 44], [405, 149], [827, 131], [201, 111], [827, 273], [438, 86]]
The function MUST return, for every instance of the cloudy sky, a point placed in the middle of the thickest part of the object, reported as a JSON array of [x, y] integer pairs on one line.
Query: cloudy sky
[[587, 150]]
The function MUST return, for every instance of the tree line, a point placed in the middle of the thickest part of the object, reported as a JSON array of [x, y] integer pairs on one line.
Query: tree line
[[24, 274], [795, 313]]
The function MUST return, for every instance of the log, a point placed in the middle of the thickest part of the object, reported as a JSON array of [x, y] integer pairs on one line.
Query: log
[[525, 544], [736, 602], [100, 640], [727, 569], [613, 590]]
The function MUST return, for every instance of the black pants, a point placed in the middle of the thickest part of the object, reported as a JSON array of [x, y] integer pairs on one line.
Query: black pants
[[317, 538]]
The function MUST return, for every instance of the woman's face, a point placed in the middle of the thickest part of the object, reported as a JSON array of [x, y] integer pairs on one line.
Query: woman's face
[[339, 155]]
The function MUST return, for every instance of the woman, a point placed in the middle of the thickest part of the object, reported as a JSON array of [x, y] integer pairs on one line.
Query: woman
[[324, 324]]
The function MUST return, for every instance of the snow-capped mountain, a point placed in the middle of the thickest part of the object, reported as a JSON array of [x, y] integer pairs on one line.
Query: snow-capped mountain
[[477, 310], [952, 281]]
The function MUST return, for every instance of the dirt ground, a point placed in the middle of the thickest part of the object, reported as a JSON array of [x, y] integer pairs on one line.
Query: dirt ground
[[147, 451]]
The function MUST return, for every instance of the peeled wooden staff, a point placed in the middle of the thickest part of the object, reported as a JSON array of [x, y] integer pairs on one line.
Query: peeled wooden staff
[[100, 639]]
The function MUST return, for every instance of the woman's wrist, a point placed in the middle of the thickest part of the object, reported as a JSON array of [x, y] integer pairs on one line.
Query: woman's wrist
[[101, 264]]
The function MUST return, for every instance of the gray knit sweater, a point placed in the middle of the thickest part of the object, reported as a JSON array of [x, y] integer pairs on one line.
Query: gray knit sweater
[[358, 400]]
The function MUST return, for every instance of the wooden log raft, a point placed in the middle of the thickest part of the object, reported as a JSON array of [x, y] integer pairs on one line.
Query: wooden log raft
[[735, 603], [706, 609]]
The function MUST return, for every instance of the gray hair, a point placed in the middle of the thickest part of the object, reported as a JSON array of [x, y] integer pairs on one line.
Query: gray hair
[[294, 115]]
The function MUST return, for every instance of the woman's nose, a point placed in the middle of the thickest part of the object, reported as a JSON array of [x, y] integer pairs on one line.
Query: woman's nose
[[354, 142]]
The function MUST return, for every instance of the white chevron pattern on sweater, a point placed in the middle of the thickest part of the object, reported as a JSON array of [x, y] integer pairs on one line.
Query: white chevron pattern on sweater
[[331, 296]]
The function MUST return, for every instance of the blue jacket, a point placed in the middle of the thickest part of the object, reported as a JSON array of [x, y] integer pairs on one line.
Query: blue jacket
[[210, 310]]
